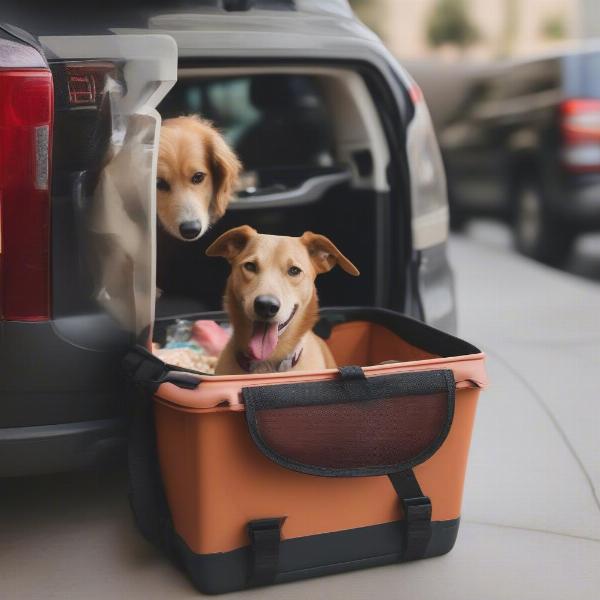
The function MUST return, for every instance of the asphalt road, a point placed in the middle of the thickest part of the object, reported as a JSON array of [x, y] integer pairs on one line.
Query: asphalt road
[[531, 515]]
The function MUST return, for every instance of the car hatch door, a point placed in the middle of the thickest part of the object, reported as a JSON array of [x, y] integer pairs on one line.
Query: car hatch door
[[112, 204]]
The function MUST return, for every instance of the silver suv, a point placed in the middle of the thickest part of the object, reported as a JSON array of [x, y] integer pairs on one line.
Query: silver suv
[[334, 135]]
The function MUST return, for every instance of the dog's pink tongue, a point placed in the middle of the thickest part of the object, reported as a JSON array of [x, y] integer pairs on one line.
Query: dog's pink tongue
[[263, 340]]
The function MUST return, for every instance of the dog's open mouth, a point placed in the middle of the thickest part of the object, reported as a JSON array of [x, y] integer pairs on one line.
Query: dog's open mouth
[[281, 327], [265, 335]]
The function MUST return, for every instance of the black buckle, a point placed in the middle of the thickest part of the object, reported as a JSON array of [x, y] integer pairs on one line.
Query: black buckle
[[182, 379], [265, 538], [143, 368], [148, 371], [417, 510], [417, 515]]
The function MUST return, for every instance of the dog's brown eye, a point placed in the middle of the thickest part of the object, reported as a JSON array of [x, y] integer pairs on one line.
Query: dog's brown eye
[[198, 177], [294, 271], [250, 266], [162, 184]]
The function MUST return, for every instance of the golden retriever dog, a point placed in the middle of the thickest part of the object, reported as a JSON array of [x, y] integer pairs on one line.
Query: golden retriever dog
[[196, 176], [271, 300]]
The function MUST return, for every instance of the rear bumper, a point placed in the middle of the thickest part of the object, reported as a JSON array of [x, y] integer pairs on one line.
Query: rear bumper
[[45, 379], [62, 406], [55, 448]]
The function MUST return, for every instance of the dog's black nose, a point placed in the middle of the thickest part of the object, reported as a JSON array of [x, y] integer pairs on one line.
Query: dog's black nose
[[190, 229], [266, 306]]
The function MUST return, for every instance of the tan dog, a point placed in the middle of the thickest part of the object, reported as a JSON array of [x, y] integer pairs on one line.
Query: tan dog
[[272, 301], [196, 176]]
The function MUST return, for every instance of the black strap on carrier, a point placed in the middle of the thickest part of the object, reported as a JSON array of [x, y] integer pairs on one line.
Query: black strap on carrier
[[265, 540], [415, 505], [417, 514], [265, 534]]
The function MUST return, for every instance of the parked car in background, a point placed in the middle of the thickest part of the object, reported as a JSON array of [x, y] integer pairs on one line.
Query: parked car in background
[[335, 137], [524, 147]]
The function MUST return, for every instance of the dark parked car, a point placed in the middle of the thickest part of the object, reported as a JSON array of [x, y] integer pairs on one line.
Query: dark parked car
[[335, 138], [525, 147]]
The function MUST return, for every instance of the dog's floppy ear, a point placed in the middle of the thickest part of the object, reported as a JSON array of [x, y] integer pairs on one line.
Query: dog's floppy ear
[[325, 255], [231, 243], [225, 168]]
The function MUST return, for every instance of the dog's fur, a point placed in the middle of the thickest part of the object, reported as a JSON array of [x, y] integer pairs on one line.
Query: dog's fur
[[272, 257], [191, 146]]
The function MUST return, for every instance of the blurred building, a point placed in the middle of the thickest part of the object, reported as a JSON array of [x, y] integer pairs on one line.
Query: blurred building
[[491, 29], [590, 18], [502, 28]]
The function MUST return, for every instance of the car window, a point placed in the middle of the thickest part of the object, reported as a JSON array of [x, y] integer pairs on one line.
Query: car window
[[271, 120]]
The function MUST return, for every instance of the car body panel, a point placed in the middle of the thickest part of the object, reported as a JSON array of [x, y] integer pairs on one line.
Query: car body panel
[[113, 218]]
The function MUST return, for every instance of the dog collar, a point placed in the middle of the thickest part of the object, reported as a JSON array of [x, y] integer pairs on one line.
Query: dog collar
[[265, 366]]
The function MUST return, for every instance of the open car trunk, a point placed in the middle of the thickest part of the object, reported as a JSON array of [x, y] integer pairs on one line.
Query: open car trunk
[[192, 282], [319, 154], [341, 177]]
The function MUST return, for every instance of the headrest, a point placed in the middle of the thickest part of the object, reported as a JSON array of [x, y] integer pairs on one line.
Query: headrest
[[277, 92]]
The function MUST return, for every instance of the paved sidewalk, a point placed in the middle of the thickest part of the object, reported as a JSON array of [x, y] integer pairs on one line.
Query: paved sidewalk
[[531, 518], [541, 330]]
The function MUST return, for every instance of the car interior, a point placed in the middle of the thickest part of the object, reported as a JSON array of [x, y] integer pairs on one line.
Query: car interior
[[315, 157]]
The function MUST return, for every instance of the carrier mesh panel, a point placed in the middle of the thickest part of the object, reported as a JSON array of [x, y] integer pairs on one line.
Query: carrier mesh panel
[[356, 434]]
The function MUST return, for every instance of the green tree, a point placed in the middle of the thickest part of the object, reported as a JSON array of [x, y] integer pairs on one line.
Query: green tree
[[554, 27], [449, 23]]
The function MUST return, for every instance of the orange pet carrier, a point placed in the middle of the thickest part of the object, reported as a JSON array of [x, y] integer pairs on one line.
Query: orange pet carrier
[[256, 479]]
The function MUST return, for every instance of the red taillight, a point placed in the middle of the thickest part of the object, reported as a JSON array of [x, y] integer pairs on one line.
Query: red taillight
[[580, 127], [26, 110]]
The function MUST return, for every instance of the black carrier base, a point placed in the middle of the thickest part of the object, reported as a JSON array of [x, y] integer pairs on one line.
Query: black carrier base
[[312, 556]]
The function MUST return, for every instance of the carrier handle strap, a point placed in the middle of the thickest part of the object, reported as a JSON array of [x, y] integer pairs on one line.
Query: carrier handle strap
[[355, 382], [148, 371], [417, 514], [265, 539], [144, 369]]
